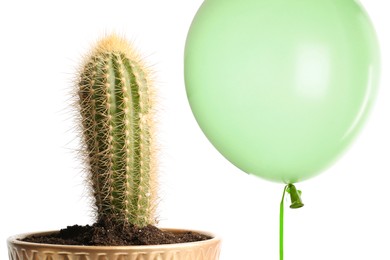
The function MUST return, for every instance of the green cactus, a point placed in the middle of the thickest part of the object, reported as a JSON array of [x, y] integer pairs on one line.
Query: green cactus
[[116, 108]]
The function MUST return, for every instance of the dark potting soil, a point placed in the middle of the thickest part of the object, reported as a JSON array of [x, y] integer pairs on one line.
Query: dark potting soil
[[108, 234]]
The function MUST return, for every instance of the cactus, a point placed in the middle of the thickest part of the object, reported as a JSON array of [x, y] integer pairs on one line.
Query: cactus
[[116, 110]]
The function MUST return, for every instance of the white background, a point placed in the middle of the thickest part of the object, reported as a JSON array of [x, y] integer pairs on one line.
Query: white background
[[347, 212]]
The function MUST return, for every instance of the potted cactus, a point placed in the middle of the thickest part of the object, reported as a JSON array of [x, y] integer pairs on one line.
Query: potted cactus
[[115, 99]]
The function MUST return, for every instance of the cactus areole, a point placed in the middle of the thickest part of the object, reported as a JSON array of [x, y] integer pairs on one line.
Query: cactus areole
[[115, 101]]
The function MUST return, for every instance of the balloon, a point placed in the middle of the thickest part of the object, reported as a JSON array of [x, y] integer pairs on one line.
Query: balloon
[[281, 87]]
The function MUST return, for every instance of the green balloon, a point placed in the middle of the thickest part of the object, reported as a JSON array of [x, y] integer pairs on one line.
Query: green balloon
[[281, 87]]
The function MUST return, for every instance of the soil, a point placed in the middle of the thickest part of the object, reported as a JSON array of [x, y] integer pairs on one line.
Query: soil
[[107, 234]]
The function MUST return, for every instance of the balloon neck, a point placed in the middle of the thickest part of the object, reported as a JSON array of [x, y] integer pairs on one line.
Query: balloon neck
[[295, 195]]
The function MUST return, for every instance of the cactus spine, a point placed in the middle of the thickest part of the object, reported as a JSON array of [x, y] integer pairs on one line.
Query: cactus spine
[[115, 100]]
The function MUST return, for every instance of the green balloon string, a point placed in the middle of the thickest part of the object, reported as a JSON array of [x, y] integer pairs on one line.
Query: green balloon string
[[281, 225], [296, 202]]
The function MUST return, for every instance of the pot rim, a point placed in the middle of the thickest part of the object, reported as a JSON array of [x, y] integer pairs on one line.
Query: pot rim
[[15, 239]]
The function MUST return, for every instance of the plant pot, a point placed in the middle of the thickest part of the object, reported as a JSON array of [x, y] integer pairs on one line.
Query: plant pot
[[202, 250]]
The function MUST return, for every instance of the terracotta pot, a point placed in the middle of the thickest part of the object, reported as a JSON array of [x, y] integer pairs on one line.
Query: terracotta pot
[[202, 250]]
